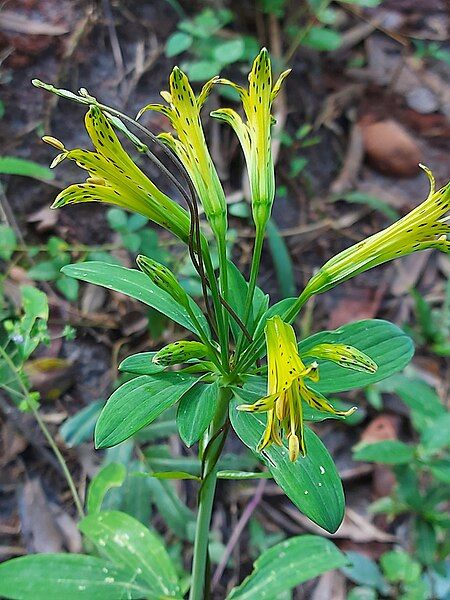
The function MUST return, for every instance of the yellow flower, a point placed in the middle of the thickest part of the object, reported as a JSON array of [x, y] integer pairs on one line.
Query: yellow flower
[[115, 179], [286, 390], [424, 227], [183, 111], [254, 135]]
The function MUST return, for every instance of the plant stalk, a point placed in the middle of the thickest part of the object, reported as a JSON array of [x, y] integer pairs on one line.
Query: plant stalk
[[206, 498], [47, 434]]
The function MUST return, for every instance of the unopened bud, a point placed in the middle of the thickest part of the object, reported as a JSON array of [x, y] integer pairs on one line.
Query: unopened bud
[[180, 352], [163, 278], [345, 356]]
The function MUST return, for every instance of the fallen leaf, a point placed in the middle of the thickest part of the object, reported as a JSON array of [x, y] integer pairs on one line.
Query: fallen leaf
[[382, 427], [39, 528], [390, 149]]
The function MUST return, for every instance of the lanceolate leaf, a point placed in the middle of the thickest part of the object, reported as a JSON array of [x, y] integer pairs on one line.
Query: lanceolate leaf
[[389, 452], [126, 542], [312, 482], [196, 410], [112, 475], [68, 576], [382, 341], [136, 404], [137, 285], [288, 564], [141, 364]]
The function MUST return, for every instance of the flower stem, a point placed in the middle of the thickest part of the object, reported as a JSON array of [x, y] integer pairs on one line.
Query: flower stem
[[206, 497], [254, 270], [46, 432]]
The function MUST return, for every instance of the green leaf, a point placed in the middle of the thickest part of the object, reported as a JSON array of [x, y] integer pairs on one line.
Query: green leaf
[[388, 452], [177, 43], [111, 475], [202, 69], [8, 241], [137, 285], [11, 165], [117, 219], [382, 341], [177, 516], [229, 52], [68, 287], [426, 542], [322, 38], [288, 564], [136, 404], [196, 411], [281, 260], [398, 565], [426, 406], [364, 571], [311, 483], [68, 576], [127, 543], [437, 436], [80, 428], [131, 241], [44, 271], [362, 593], [141, 364], [441, 470]]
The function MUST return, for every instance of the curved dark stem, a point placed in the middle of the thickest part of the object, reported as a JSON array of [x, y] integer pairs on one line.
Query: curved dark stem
[[192, 202]]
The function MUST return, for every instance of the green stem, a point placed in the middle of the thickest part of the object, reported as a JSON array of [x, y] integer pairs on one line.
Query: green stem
[[252, 352], [254, 270], [218, 310], [47, 434], [223, 265], [206, 498]]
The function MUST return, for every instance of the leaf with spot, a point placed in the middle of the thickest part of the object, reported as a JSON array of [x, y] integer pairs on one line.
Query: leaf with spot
[[68, 576], [288, 564], [127, 543], [312, 482]]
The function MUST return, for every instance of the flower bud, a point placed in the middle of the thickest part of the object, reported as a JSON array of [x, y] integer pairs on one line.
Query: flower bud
[[345, 356], [163, 278], [180, 352]]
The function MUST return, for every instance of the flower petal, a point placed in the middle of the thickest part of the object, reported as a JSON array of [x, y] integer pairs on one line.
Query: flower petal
[[319, 402]]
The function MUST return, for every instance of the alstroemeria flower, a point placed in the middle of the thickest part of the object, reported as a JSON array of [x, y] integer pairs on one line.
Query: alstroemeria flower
[[287, 388], [115, 179], [424, 227], [183, 111], [254, 134]]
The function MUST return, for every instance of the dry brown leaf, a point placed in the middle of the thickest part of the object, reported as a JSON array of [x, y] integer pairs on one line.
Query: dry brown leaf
[[39, 528], [17, 23], [331, 586], [354, 527]]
